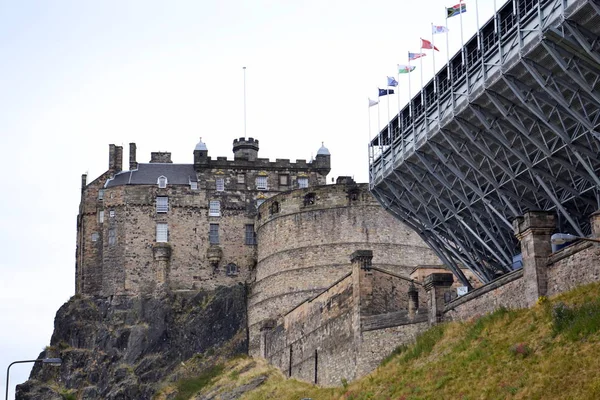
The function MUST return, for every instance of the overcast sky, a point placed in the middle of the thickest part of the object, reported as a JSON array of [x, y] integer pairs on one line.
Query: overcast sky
[[78, 75]]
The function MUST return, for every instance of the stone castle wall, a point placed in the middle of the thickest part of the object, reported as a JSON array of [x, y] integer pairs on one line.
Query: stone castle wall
[[303, 246]]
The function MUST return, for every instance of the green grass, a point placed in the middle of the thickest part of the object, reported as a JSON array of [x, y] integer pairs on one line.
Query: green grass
[[189, 386]]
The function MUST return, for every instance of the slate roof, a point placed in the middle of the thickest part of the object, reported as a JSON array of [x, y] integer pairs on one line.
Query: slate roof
[[147, 174]]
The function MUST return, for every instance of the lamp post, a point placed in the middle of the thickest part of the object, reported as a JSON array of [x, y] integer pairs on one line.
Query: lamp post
[[51, 361], [562, 238]]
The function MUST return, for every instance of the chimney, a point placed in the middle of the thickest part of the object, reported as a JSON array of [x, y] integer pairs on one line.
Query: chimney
[[161, 157], [83, 182], [115, 158], [132, 163]]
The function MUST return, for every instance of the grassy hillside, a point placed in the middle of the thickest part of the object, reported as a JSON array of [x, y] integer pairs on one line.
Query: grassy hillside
[[551, 351]]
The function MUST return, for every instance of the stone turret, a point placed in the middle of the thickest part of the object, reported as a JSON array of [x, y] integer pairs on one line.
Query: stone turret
[[323, 160], [200, 154], [245, 149]]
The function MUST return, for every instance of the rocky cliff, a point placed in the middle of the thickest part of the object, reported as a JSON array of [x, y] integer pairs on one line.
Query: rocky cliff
[[129, 347]]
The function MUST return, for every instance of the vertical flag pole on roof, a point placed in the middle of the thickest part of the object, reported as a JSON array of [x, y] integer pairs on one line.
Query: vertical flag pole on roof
[[245, 136], [400, 131], [449, 73], [462, 40], [433, 45]]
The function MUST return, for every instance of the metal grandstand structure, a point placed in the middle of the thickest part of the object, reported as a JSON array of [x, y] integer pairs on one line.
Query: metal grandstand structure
[[511, 124]]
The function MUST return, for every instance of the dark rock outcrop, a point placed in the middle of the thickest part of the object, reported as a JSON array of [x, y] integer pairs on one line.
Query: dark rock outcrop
[[124, 347]]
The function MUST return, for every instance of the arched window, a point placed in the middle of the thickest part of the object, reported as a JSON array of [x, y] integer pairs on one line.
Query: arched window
[[162, 181], [274, 208], [232, 269]]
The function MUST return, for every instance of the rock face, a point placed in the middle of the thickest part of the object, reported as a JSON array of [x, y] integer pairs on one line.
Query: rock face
[[123, 348]]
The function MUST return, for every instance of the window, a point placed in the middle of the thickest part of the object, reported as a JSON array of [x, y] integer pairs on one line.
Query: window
[[95, 237], [250, 236], [162, 204], [232, 269], [261, 182], [101, 194], [220, 182], [309, 199], [112, 236], [213, 234], [241, 178], [302, 183], [214, 209], [284, 180], [101, 216], [162, 182], [162, 232], [274, 208], [111, 213], [194, 185]]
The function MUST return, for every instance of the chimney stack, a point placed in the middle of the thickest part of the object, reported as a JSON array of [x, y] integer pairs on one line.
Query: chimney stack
[[132, 162]]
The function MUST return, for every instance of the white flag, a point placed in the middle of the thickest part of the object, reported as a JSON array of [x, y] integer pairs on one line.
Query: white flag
[[373, 103], [438, 29]]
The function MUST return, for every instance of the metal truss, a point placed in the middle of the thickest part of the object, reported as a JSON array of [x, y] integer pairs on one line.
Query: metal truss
[[518, 131]]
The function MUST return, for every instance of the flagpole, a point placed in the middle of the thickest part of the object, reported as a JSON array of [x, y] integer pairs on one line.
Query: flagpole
[[449, 70], [379, 126], [462, 40], [370, 155], [410, 101], [245, 136], [400, 131], [433, 54]]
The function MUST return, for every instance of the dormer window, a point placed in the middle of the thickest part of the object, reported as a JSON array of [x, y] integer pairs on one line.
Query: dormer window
[[193, 185], [162, 182], [302, 183]]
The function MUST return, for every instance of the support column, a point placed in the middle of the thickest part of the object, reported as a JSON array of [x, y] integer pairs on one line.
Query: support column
[[362, 279], [413, 300], [534, 230], [162, 256], [436, 286]]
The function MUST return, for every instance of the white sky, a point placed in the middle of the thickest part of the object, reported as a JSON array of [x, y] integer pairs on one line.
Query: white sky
[[78, 75]]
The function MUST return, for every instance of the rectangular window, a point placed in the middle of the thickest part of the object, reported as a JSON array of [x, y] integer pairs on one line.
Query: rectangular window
[[261, 182], [241, 178], [101, 194], [101, 216], [162, 204], [302, 183], [112, 236], [213, 234], [95, 237], [250, 236], [284, 180], [111, 213], [194, 185], [214, 209], [162, 232], [220, 182]]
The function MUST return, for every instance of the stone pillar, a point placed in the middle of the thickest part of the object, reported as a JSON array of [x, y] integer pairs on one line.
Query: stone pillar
[[595, 224], [362, 278], [436, 286], [162, 256], [413, 300], [534, 230]]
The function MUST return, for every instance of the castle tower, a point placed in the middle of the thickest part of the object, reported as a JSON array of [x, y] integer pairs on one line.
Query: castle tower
[[200, 154], [245, 149], [323, 160]]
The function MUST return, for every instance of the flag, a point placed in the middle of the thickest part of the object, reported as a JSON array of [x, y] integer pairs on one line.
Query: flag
[[426, 44], [455, 10], [392, 81], [414, 56], [405, 69], [373, 103], [385, 92], [439, 29]]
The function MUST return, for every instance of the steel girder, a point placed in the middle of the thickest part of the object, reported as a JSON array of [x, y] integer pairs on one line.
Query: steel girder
[[524, 135]]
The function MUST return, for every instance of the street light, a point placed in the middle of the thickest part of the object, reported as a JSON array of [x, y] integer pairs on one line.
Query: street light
[[52, 361], [562, 238]]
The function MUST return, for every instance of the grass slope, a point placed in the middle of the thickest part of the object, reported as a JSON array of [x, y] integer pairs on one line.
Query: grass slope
[[550, 351]]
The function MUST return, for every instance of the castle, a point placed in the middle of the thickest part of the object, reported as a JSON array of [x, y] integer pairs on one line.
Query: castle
[[275, 226]]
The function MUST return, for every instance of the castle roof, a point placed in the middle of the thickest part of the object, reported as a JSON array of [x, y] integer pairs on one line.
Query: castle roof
[[148, 174], [201, 146]]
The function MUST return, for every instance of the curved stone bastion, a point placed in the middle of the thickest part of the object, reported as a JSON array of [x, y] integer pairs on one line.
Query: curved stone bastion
[[305, 238]]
